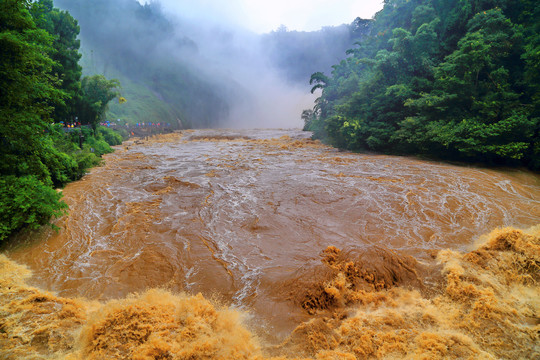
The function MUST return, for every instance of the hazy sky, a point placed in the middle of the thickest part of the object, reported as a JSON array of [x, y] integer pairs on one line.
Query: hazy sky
[[267, 15]]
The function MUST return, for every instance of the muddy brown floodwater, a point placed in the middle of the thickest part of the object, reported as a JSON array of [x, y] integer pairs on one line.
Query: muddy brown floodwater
[[301, 239]]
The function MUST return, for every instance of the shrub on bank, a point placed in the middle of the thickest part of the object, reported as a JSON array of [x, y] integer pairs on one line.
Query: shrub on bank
[[29, 201], [65, 158], [26, 202], [110, 136]]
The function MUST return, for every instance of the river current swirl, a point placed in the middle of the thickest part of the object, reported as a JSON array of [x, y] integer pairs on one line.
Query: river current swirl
[[241, 215]]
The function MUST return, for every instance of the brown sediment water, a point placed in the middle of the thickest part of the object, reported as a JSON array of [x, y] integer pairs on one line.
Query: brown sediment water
[[296, 250]]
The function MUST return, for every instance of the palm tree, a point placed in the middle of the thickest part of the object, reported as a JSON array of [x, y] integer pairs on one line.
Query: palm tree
[[319, 79]]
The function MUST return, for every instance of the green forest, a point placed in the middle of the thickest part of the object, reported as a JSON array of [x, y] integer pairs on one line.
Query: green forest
[[41, 92], [456, 80]]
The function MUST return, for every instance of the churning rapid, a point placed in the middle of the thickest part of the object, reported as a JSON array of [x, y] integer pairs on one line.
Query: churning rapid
[[222, 244]]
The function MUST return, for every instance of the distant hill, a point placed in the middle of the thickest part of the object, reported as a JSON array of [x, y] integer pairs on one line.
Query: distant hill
[[192, 73], [298, 54]]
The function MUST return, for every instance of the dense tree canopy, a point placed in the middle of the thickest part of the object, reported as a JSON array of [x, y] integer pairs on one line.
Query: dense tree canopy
[[452, 79], [26, 91], [39, 85], [64, 52], [97, 92]]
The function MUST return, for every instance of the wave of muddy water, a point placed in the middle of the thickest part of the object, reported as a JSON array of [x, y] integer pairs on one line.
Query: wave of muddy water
[[275, 224]]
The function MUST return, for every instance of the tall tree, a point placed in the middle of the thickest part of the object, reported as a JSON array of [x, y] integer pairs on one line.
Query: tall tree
[[96, 92], [474, 109], [449, 78], [64, 52], [27, 89]]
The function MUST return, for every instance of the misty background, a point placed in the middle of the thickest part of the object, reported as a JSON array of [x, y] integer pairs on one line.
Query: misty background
[[195, 71]]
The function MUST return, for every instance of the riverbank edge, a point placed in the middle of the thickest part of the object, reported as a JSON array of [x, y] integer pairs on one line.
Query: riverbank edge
[[30, 201]]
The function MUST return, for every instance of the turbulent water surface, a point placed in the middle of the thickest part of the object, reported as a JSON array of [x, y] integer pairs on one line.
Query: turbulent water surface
[[254, 218]]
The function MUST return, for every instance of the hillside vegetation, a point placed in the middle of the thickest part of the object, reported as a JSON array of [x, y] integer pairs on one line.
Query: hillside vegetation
[[41, 93], [451, 79]]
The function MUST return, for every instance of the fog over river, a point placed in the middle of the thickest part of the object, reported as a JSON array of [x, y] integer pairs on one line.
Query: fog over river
[[262, 220]]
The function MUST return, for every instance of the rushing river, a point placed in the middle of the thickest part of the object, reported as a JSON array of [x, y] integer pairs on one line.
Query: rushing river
[[244, 217]]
